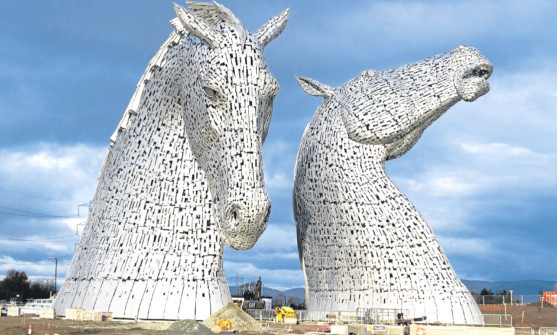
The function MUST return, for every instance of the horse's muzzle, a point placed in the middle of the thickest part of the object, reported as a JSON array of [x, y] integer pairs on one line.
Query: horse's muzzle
[[244, 222]]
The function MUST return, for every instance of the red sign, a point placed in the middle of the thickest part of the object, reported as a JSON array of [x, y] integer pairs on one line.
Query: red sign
[[550, 297]]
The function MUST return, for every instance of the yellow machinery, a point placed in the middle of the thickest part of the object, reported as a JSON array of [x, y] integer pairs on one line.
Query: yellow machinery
[[223, 325], [285, 315]]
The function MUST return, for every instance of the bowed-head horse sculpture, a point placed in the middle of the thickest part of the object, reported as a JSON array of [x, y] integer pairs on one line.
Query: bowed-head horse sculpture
[[183, 176]]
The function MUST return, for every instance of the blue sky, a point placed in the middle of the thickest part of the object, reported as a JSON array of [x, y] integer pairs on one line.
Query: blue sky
[[484, 176]]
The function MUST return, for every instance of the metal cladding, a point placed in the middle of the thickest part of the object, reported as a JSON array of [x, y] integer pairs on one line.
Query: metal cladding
[[362, 244], [183, 175]]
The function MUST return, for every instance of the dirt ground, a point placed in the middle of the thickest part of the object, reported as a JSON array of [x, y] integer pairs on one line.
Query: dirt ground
[[534, 317], [20, 326]]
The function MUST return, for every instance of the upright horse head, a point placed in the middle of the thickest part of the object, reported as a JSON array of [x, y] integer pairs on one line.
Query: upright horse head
[[383, 254], [227, 100]]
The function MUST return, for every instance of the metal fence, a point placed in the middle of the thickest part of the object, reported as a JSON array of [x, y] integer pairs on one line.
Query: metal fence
[[517, 299], [501, 320], [261, 314], [381, 315], [304, 316], [362, 315], [524, 331], [369, 316], [547, 331]]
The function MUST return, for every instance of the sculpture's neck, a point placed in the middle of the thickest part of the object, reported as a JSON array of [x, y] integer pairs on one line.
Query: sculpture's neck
[[372, 160]]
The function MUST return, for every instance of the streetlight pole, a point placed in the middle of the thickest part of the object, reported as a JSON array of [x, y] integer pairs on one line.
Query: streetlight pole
[[55, 273]]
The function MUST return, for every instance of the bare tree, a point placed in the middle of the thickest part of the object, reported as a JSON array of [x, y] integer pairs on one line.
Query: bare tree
[[293, 301]]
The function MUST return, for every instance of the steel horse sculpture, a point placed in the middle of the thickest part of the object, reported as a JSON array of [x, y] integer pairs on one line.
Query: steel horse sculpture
[[362, 244], [183, 176]]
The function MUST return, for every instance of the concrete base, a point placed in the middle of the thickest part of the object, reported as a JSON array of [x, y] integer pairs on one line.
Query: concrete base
[[459, 330], [420, 330]]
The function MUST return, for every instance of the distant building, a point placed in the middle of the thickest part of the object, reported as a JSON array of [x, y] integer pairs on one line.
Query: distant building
[[550, 297]]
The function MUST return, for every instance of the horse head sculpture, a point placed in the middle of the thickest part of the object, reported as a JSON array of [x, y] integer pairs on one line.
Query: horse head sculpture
[[420, 93], [183, 176], [383, 254]]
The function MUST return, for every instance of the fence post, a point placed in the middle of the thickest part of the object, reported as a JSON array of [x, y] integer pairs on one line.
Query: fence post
[[483, 299]]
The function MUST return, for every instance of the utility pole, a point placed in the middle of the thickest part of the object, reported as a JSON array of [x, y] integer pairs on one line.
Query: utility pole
[[55, 273]]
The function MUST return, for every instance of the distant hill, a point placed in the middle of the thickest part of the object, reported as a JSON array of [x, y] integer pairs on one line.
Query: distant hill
[[525, 287], [299, 292]]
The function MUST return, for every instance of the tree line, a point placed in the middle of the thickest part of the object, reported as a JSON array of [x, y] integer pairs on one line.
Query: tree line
[[17, 286], [488, 297]]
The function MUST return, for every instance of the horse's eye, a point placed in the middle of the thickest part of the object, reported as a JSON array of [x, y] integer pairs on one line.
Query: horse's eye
[[211, 93]]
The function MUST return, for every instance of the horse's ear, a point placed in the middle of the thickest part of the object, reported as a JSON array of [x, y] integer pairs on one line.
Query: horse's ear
[[273, 28], [315, 88], [197, 26]]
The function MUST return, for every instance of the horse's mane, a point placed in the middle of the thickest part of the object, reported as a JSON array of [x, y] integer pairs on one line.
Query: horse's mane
[[207, 12], [154, 63]]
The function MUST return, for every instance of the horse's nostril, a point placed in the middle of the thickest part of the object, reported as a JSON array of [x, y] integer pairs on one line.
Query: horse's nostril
[[232, 213], [239, 214]]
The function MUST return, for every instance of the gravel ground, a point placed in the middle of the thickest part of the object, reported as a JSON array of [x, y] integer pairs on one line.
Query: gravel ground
[[533, 317], [187, 327], [20, 326], [240, 319]]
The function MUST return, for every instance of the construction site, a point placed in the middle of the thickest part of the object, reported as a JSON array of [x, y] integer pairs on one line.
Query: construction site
[[536, 318]]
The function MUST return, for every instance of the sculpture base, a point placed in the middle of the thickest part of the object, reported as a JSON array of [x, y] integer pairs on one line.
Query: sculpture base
[[165, 299]]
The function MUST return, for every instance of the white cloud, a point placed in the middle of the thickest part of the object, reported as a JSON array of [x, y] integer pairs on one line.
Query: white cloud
[[52, 171], [476, 247], [279, 158], [279, 181], [449, 194], [54, 247], [493, 148], [439, 185], [46, 179], [480, 168], [277, 237], [43, 269]]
